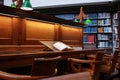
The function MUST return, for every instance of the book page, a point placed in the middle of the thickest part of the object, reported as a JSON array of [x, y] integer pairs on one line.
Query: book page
[[61, 46]]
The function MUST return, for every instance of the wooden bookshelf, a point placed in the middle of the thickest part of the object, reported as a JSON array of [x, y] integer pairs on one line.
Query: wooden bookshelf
[[99, 33], [119, 28], [115, 30]]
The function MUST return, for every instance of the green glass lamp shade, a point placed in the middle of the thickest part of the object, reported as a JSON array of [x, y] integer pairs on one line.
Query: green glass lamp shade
[[88, 21], [13, 5], [27, 5], [75, 20]]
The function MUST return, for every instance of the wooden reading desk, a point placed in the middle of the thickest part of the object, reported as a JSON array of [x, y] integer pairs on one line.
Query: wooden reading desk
[[10, 59], [18, 57], [48, 44]]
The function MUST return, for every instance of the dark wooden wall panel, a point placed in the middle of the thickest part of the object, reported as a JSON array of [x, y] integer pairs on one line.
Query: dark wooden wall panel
[[71, 35], [5, 27], [39, 30], [57, 32], [21, 31], [18, 30], [6, 30]]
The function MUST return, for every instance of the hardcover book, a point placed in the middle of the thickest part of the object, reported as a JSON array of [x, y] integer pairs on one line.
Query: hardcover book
[[61, 46]]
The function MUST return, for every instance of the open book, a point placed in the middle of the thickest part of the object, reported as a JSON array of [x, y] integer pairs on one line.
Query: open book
[[61, 46]]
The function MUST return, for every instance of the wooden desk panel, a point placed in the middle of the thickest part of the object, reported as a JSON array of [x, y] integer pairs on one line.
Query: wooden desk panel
[[16, 63], [17, 59]]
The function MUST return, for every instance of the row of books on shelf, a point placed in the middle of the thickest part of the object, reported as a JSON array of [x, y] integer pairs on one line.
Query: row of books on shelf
[[99, 30], [90, 30], [116, 38], [92, 15], [71, 16], [104, 44], [104, 30], [103, 37], [116, 44], [104, 15], [89, 39], [104, 22], [115, 30], [115, 16], [66, 16], [99, 15], [115, 22], [93, 21]]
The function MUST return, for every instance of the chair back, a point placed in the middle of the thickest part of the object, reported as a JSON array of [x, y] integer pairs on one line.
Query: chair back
[[114, 60], [44, 66], [99, 57]]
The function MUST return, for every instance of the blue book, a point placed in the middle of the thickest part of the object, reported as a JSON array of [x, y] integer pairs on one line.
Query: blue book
[[85, 39]]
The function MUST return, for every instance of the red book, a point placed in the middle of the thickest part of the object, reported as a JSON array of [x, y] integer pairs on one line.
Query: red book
[[91, 38]]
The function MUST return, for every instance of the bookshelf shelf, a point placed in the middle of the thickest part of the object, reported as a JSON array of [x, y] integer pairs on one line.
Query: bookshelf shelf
[[100, 32], [100, 28], [115, 30], [104, 40], [105, 32], [88, 43], [90, 32]]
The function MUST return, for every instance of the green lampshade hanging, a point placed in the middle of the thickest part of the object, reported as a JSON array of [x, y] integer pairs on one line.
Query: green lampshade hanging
[[13, 5], [88, 21], [75, 20], [27, 5]]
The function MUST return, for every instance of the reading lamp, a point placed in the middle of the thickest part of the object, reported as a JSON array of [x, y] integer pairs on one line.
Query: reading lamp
[[81, 16], [19, 4], [27, 5], [13, 5], [88, 21]]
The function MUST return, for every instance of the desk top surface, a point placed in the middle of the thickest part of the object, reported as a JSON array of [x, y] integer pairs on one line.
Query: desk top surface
[[9, 53]]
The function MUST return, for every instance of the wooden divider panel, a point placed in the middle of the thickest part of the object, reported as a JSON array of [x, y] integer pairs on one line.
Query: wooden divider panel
[[71, 35], [6, 30], [38, 30]]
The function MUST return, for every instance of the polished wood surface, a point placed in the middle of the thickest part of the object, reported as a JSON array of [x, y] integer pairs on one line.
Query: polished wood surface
[[19, 58], [39, 30]]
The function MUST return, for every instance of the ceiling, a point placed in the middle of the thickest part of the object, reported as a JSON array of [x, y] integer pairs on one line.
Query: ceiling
[[92, 7]]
